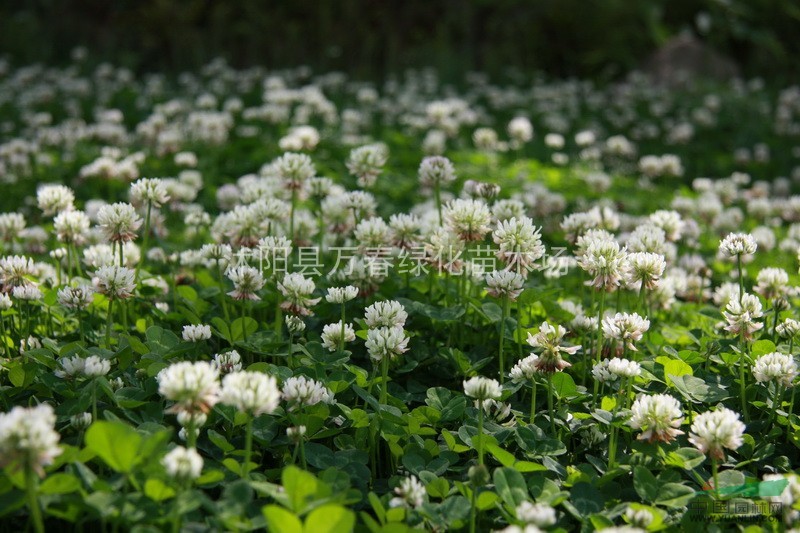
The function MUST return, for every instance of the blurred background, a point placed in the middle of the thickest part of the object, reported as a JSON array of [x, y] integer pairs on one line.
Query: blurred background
[[601, 39]]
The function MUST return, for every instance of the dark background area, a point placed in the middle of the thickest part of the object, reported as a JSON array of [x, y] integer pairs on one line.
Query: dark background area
[[603, 39]]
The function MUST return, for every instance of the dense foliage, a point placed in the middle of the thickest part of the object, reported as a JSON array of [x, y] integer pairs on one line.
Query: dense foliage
[[249, 299]]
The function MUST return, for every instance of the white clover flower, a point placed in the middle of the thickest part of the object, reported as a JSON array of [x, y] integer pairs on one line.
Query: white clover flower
[[498, 412], [625, 328], [294, 324], [669, 221], [340, 295], [388, 313], [372, 233], [538, 514], [520, 243], [606, 262], [645, 269], [71, 227], [75, 297], [647, 238], [297, 290], [183, 464], [638, 517], [410, 493], [11, 225], [624, 368], [115, 282], [194, 420], [296, 433], [28, 437], [482, 388], [81, 421], [247, 281], [777, 367], [27, 293], [554, 141], [227, 362], [505, 283], [53, 199], [94, 366], [194, 387], [436, 171], [714, 430], [485, 139], [658, 416], [366, 163], [601, 373], [196, 333], [254, 393], [742, 315], [788, 329], [525, 369], [119, 222], [468, 219], [772, 283], [404, 230], [332, 335], [548, 341], [301, 391], [70, 367], [738, 244], [386, 342], [15, 271], [149, 191], [294, 169], [520, 129]]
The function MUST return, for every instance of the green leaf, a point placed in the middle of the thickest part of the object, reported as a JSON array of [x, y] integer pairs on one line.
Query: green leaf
[[686, 458], [505, 458], [279, 519], [60, 483], [563, 385], [160, 340], [510, 486], [762, 347], [157, 490], [300, 487], [240, 325], [674, 367], [645, 484], [330, 519], [116, 443], [674, 495]]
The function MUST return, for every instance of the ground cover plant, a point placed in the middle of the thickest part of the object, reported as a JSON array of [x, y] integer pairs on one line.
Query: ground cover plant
[[241, 299]]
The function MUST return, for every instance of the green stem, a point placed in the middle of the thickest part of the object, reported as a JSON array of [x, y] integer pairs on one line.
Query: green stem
[[742, 380], [503, 338], [550, 404], [480, 432], [384, 380], [437, 195], [741, 278], [108, 323], [714, 476], [31, 482], [94, 400], [248, 446], [222, 303], [341, 340], [533, 399], [145, 238], [291, 215]]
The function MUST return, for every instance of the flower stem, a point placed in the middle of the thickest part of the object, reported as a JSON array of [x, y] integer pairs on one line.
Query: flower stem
[[715, 476], [31, 483], [108, 323], [384, 379], [550, 404], [145, 238], [480, 432], [248, 446], [742, 380], [503, 318], [533, 399]]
